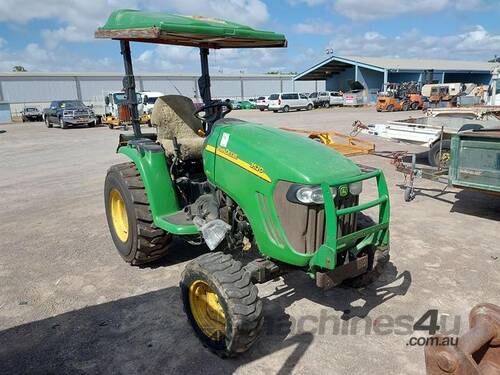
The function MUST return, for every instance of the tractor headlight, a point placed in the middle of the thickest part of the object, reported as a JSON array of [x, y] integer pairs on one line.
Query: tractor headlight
[[356, 188], [310, 195]]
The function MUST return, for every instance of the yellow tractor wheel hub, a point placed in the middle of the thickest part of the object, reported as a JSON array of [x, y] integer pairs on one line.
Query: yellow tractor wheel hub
[[119, 215], [207, 311]]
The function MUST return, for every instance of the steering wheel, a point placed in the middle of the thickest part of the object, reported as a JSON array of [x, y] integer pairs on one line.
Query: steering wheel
[[215, 115]]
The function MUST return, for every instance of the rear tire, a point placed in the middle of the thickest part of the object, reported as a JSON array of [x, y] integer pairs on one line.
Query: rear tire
[[309, 107], [138, 240], [414, 106], [286, 108], [390, 108], [327, 105], [221, 304]]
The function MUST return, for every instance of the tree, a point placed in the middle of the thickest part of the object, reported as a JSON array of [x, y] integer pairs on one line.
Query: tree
[[19, 68]]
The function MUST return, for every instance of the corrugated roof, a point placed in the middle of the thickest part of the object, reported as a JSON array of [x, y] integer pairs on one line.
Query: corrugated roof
[[424, 64], [336, 64]]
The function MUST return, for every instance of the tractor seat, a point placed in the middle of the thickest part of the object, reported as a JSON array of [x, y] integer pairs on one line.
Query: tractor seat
[[173, 117]]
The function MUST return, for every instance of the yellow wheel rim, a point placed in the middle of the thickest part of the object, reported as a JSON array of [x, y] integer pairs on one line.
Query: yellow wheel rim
[[119, 215], [206, 310]]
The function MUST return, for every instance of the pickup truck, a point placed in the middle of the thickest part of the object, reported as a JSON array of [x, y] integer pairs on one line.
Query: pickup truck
[[31, 114], [66, 113], [326, 99]]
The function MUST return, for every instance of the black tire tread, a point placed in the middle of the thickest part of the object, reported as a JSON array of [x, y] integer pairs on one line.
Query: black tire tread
[[378, 259], [152, 242], [240, 296]]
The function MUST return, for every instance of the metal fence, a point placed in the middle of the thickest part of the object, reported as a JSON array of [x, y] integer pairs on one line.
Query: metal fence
[[39, 89]]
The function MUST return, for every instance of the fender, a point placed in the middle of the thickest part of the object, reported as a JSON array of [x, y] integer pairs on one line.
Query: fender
[[149, 159]]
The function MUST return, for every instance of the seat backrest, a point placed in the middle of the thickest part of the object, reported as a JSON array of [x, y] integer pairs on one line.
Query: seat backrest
[[173, 117]]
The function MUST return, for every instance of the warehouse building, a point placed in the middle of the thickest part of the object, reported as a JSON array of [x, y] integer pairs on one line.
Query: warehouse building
[[374, 72], [18, 90]]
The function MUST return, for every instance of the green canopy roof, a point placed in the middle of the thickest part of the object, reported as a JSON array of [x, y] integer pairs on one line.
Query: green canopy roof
[[195, 31]]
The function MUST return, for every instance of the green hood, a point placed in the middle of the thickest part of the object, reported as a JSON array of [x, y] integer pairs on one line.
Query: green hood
[[285, 155]]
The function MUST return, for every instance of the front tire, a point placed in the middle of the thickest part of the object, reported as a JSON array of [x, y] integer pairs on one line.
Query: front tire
[[309, 107], [221, 304], [62, 124], [286, 108], [378, 258], [129, 217], [47, 122]]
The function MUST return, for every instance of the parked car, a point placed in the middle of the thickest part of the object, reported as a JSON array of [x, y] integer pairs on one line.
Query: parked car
[[262, 103], [286, 101], [246, 104], [354, 97], [234, 103], [31, 114], [67, 113]]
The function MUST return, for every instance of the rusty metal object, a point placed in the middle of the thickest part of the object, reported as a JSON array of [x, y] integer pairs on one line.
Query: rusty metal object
[[477, 351], [330, 279], [345, 144], [124, 113]]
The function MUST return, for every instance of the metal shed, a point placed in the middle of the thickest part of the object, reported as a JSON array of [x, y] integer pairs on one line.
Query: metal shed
[[373, 72]]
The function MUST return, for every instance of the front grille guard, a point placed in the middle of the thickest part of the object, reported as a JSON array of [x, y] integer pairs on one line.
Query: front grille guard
[[377, 235]]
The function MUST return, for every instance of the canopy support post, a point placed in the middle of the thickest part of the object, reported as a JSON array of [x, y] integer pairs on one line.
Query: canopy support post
[[129, 87], [204, 80]]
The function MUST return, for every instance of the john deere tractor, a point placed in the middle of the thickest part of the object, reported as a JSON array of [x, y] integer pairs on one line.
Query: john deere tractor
[[261, 200]]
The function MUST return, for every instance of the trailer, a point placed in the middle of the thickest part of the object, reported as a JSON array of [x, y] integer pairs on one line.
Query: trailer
[[436, 130], [474, 164]]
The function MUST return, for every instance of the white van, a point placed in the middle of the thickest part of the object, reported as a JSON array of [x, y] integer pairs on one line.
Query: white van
[[287, 101]]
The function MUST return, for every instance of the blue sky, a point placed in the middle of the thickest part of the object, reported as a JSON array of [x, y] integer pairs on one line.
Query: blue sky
[[56, 35]]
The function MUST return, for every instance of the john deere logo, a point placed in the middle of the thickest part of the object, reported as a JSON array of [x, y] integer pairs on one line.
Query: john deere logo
[[343, 190]]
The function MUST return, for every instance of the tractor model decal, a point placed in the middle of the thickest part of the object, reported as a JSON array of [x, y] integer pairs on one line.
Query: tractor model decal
[[233, 158]]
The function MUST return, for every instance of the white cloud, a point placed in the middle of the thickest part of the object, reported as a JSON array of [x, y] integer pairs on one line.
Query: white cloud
[[371, 10], [466, 5], [232, 61], [79, 19], [475, 43], [367, 10], [310, 3], [36, 58], [314, 26]]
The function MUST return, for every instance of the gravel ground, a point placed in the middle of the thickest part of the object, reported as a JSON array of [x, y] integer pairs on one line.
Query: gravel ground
[[69, 304]]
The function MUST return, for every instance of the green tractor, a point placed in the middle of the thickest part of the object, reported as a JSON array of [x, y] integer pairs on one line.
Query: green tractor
[[264, 201]]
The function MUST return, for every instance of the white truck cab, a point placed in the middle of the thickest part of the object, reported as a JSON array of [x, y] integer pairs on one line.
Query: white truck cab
[[149, 99]]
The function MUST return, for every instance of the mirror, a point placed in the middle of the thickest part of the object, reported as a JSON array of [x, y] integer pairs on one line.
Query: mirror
[[106, 100], [145, 99]]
